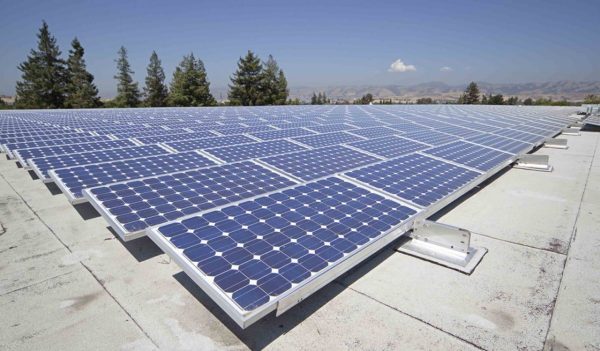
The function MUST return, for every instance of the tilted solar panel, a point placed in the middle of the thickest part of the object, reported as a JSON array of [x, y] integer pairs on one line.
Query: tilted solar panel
[[132, 206], [73, 180], [250, 255], [317, 163], [253, 150], [389, 147], [479, 157]]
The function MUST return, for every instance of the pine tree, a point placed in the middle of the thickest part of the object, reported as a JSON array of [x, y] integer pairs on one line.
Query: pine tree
[[282, 89], [245, 88], [190, 86], [273, 84], [472, 94], [155, 91], [81, 91], [314, 99], [128, 93], [43, 78]]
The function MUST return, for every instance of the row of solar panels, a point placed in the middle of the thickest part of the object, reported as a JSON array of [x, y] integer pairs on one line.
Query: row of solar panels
[[265, 217]]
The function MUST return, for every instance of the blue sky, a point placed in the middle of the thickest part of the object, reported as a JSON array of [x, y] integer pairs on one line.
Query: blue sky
[[320, 43]]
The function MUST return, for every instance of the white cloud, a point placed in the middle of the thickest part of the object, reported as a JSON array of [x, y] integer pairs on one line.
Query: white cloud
[[399, 66], [446, 69]]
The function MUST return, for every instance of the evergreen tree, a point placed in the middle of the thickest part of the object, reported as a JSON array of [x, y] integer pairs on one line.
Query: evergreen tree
[[81, 91], [471, 94], [245, 88], [484, 99], [155, 91], [528, 101], [42, 83], [128, 93], [313, 99], [282, 89], [273, 84], [189, 86]]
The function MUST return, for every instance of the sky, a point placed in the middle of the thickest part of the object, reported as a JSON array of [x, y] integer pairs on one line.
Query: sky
[[319, 43]]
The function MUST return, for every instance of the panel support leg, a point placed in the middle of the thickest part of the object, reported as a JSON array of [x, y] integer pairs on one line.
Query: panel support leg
[[534, 163], [556, 143], [570, 131], [443, 244]]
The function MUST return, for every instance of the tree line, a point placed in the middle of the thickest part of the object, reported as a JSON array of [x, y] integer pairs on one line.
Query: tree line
[[49, 81]]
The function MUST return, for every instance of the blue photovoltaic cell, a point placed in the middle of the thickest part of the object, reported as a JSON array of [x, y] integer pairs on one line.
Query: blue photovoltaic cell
[[25, 154], [501, 143], [25, 139], [522, 136], [138, 204], [472, 155], [338, 127], [430, 137], [54, 142], [375, 132], [420, 179], [317, 163], [389, 147], [253, 150], [408, 127], [44, 164], [243, 130], [327, 139], [259, 249], [196, 144], [459, 131], [75, 179], [174, 137], [284, 133]]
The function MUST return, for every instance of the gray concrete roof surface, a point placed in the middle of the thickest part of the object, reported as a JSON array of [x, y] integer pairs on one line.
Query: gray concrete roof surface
[[67, 283]]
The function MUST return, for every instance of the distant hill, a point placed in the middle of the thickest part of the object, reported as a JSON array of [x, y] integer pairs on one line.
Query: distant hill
[[568, 90]]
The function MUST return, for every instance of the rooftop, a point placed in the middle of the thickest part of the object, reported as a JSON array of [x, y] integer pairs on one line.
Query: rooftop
[[68, 281]]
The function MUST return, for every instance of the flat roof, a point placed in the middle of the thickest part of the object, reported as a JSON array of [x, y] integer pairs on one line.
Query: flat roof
[[67, 282]]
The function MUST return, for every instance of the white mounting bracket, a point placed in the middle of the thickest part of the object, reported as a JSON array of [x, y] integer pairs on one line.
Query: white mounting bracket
[[534, 163], [577, 124], [556, 143], [443, 244], [570, 131]]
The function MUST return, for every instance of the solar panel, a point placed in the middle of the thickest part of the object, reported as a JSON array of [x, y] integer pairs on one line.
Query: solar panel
[[253, 150], [419, 179], [389, 147], [284, 133], [42, 165], [250, 255], [338, 127], [375, 132], [328, 139], [317, 163], [73, 180], [430, 137], [501, 143], [25, 154], [173, 137], [479, 157], [522, 136], [197, 144], [132, 206]]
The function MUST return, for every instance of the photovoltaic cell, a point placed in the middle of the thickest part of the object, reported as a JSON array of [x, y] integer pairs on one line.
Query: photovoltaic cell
[[479, 157], [317, 163], [253, 150], [390, 147], [328, 128], [522, 136], [258, 250], [137, 204], [501, 143], [73, 180], [43, 164], [420, 179], [54, 142], [430, 137], [375, 132], [328, 139], [174, 137], [284, 133], [196, 144], [26, 154]]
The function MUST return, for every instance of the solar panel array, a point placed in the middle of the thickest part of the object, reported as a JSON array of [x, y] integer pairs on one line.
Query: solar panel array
[[259, 204]]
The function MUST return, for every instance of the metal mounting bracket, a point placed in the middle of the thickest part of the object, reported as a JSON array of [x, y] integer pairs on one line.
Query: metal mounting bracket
[[577, 124], [534, 163], [443, 244], [556, 143], [570, 131]]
